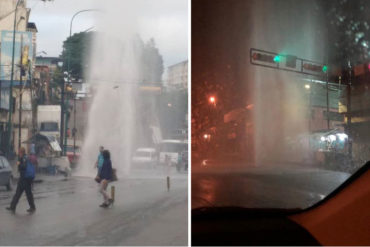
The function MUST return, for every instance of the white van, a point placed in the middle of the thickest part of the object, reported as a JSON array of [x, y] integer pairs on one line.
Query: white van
[[145, 157], [172, 148]]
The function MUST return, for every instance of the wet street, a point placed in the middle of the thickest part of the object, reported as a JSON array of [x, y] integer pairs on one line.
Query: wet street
[[262, 187], [68, 212]]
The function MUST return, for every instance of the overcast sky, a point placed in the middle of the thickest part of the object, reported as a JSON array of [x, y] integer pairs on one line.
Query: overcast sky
[[166, 21]]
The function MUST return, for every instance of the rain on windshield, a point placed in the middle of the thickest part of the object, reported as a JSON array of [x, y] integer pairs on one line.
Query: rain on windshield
[[279, 100]]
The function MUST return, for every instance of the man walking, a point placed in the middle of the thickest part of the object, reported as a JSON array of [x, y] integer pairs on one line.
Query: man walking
[[27, 174]]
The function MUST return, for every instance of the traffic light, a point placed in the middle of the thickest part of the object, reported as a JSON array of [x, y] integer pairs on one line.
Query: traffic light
[[290, 61], [277, 59], [324, 68], [266, 58], [312, 67]]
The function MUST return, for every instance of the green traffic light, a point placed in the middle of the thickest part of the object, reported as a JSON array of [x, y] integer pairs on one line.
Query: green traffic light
[[324, 68], [277, 59]]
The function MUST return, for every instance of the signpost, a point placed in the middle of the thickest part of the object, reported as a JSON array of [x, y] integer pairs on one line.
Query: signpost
[[287, 62], [293, 64]]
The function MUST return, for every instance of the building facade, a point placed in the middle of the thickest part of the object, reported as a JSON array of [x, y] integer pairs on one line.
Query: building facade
[[13, 17], [178, 76]]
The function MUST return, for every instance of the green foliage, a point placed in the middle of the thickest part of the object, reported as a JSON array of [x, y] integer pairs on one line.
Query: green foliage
[[75, 49], [348, 29], [56, 85], [152, 63]]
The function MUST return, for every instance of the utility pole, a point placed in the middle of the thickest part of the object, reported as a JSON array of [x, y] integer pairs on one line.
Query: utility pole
[[74, 125], [11, 84], [349, 117], [66, 119], [327, 100], [62, 115], [63, 111], [20, 96]]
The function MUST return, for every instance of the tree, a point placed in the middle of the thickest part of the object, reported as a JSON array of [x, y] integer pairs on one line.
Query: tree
[[348, 31], [75, 49], [56, 85], [152, 63]]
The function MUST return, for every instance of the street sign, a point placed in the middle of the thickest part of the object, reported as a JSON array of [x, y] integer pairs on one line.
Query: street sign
[[286, 62]]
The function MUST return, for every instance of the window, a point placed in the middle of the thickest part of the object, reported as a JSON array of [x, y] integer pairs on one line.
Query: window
[[49, 126]]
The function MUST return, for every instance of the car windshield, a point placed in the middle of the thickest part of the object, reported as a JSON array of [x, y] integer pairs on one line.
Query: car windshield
[[280, 100]]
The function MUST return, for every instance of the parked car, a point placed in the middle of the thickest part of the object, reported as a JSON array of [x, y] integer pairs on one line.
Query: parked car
[[145, 157], [6, 176]]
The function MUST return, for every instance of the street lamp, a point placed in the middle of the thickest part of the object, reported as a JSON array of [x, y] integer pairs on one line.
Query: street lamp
[[62, 131], [41, 52], [212, 100]]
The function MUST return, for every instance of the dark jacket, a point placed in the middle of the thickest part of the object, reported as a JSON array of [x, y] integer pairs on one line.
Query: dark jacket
[[106, 170], [22, 166]]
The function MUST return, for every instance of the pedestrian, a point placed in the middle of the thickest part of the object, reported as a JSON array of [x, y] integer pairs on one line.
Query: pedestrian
[[105, 176], [168, 164], [100, 160], [33, 158], [33, 148], [27, 174]]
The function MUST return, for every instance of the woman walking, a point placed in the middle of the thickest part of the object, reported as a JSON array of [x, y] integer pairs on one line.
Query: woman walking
[[105, 177]]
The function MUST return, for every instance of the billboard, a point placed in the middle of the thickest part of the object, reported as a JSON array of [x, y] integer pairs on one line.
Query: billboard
[[23, 44]]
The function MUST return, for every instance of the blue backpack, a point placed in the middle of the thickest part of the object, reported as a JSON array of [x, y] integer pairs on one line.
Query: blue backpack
[[30, 170]]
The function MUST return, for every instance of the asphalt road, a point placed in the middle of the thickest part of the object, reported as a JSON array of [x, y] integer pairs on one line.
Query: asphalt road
[[287, 187], [68, 213]]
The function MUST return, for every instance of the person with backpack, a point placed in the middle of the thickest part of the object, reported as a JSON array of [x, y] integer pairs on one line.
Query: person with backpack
[[27, 175]]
